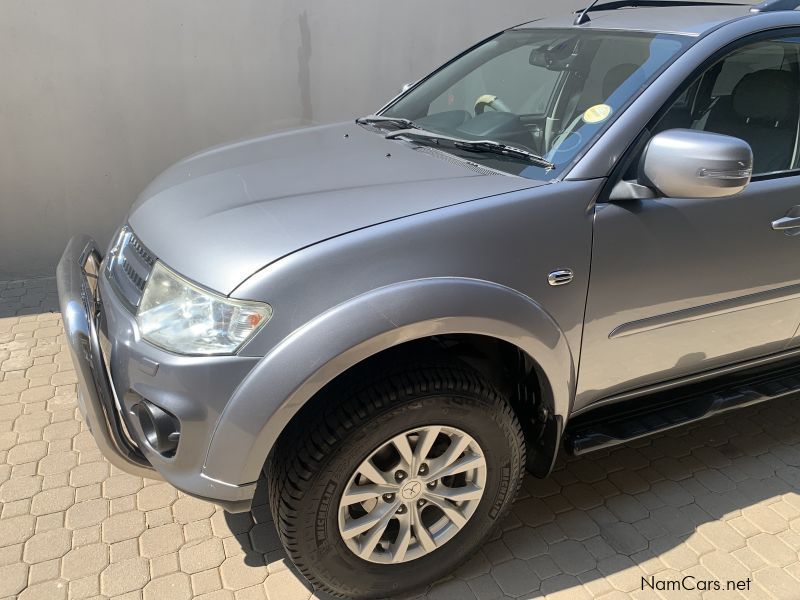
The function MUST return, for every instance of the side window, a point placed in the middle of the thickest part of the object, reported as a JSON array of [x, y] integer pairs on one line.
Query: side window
[[753, 94], [766, 55]]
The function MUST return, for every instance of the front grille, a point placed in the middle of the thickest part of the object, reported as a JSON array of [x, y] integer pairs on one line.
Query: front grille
[[128, 266]]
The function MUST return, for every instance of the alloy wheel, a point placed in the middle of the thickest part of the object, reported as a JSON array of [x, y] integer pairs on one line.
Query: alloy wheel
[[412, 494]]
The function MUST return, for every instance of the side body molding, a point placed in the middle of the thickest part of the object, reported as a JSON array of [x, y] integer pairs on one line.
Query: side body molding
[[297, 368]]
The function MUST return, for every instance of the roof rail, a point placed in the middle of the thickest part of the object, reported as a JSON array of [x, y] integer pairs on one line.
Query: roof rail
[[583, 14], [773, 5]]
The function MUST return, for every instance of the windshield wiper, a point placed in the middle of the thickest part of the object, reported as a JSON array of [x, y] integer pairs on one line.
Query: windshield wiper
[[489, 146], [381, 120]]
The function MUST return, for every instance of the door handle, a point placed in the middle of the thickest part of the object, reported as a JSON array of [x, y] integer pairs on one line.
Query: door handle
[[785, 223], [789, 224]]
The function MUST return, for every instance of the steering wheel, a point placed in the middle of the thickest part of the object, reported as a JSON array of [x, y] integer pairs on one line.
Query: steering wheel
[[490, 101]]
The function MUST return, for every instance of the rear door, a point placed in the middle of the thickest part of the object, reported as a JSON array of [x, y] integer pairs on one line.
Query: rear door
[[683, 285]]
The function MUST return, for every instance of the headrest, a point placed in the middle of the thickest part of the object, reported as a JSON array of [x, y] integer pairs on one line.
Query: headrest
[[766, 95], [616, 77]]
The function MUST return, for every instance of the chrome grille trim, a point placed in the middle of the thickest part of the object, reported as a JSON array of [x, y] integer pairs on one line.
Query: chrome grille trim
[[128, 267]]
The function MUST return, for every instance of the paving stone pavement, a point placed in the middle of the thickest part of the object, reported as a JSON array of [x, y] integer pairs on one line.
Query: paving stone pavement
[[716, 501], [28, 297]]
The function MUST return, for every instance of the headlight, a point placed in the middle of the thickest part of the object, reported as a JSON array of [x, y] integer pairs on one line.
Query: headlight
[[179, 316]]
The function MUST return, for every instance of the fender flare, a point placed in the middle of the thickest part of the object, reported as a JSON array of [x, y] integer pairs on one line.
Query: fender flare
[[340, 338]]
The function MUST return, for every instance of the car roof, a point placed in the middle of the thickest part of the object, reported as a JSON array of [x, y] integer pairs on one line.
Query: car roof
[[687, 20]]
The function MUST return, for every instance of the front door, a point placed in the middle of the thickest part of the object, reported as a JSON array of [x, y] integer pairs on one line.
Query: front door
[[683, 285]]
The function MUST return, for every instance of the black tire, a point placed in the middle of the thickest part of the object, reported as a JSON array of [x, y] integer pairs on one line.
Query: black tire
[[312, 465]]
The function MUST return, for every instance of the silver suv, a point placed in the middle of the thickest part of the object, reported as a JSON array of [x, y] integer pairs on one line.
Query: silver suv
[[576, 233]]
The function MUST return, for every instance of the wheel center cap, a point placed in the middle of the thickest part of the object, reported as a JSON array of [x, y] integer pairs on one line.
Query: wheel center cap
[[411, 490]]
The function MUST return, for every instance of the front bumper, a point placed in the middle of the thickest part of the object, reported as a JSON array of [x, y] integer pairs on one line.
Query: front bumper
[[104, 400]]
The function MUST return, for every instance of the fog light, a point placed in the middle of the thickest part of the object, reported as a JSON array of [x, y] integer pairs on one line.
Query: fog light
[[160, 429]]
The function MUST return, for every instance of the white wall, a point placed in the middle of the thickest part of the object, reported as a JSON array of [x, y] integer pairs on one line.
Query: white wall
[[98, 96]]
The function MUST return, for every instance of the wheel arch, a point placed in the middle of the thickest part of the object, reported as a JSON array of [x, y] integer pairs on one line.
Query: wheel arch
[[337, 341]]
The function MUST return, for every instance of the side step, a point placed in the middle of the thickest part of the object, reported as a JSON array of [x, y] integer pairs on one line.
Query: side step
[[645, 415]]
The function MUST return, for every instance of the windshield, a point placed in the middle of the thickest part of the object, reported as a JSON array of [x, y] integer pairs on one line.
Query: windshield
[[547, 91]]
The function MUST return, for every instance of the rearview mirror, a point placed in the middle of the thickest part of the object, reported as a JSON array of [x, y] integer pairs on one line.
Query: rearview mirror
[[684, 163], [554, 56]]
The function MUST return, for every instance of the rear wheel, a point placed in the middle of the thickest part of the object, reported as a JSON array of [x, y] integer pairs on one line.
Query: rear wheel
[[393, 483]]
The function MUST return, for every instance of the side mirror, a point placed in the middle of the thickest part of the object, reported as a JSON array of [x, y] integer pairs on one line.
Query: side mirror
[[684, 163]]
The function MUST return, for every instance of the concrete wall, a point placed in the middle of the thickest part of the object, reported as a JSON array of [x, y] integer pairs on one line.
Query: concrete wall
[[98, 96]]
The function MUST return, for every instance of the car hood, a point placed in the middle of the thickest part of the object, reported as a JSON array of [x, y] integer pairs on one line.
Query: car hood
[[219, 216]]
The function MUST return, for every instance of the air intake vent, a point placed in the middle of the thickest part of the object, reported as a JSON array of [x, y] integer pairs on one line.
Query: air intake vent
[[474, 167]]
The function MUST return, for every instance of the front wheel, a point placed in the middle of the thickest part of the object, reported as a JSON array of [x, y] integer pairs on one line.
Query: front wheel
[[392, 484]]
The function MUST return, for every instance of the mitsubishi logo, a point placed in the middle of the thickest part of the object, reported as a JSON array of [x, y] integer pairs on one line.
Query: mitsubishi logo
[[411, 490]]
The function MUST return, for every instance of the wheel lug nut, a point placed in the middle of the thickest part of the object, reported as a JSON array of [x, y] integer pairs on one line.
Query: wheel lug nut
[[431, 485], [420, 502], [388, 497], [400, 475], [401, 510], [423, 470]]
